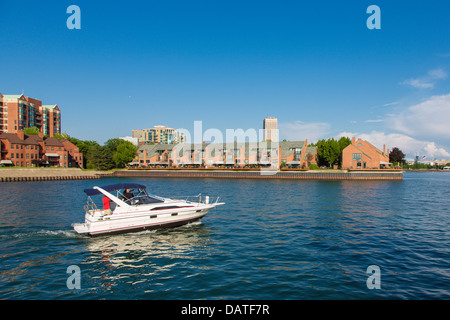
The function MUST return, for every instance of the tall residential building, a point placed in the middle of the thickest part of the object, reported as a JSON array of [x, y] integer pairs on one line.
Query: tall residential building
[[18, 112], [270, 127], [158, 135]]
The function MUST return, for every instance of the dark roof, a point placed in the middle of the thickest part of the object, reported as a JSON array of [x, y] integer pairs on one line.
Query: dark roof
[[33, 139], [12, 138], [53, 142], [113, 187]]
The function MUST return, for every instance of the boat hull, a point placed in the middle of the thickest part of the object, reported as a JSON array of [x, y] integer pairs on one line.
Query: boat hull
[[143, 228], [110, 226]]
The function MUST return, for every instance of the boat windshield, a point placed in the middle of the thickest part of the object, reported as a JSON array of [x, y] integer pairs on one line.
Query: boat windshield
[[139, 196], [143, 199]]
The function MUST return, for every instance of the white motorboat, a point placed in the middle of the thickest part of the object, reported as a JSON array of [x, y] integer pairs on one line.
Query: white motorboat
[[136, 210]]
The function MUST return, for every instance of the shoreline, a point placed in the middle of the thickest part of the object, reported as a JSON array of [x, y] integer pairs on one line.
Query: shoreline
[[48, 174], [283, 174]]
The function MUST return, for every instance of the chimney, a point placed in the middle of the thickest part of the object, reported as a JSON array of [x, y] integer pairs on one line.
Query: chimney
[[353, 140], [384, 149], [20, 134]]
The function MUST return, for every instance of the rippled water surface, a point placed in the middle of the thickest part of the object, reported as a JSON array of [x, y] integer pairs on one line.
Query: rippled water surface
[[272, 240]]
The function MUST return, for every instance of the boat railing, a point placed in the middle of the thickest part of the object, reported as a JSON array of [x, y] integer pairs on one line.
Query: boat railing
[[201, 199], [90, 207]]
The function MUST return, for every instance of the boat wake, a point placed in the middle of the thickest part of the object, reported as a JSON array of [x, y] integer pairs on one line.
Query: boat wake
[[60, 234]]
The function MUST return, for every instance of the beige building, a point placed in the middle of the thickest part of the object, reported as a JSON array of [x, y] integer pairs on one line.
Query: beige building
[[270, 126], [158, 135]]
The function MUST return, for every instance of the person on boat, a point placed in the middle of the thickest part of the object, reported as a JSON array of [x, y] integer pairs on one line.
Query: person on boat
[[106, 205], [127, 195]]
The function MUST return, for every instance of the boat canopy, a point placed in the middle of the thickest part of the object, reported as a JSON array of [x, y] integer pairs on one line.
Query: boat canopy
[[113, 187]]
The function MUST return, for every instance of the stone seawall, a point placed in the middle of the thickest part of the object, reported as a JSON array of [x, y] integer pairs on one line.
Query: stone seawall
[[301, 175], [47, 174]]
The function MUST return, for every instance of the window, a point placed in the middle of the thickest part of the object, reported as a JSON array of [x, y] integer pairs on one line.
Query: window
[[356, 156]]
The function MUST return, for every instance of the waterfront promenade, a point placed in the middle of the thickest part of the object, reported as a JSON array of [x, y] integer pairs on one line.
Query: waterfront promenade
[[44, 174]]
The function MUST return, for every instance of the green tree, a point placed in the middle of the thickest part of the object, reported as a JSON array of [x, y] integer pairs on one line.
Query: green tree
[[84, 146], [112, 144], [320, 152], [31, 131], [124, 153], [100, 158], [60, 136], [332, 151]]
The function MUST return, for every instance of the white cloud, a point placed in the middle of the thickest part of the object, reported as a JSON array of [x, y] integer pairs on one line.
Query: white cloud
[[410, 146], [427, 81], [374, 121], [426, 119], [390, 104], [418, 83], [437, 74], [299, 130]]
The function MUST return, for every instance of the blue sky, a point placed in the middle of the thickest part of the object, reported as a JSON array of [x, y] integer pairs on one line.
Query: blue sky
[[313, 65]]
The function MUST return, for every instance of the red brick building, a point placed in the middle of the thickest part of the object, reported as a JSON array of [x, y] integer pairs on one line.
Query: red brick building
[[361, 154], [21, 150], [18, 112]]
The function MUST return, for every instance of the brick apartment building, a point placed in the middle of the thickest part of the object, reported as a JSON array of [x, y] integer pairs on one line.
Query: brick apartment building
[[290, 154], [18, 112], [361, 154], [21, 150]]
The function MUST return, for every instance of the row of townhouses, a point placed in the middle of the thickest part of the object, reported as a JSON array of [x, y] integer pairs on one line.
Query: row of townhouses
[[292, 153], [21, 150]]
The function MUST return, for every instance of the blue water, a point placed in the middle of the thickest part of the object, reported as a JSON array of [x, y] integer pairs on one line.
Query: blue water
[[272, 240]]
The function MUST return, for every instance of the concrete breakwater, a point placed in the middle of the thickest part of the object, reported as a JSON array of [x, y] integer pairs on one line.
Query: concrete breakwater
[[47, 174], [301, 175]]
